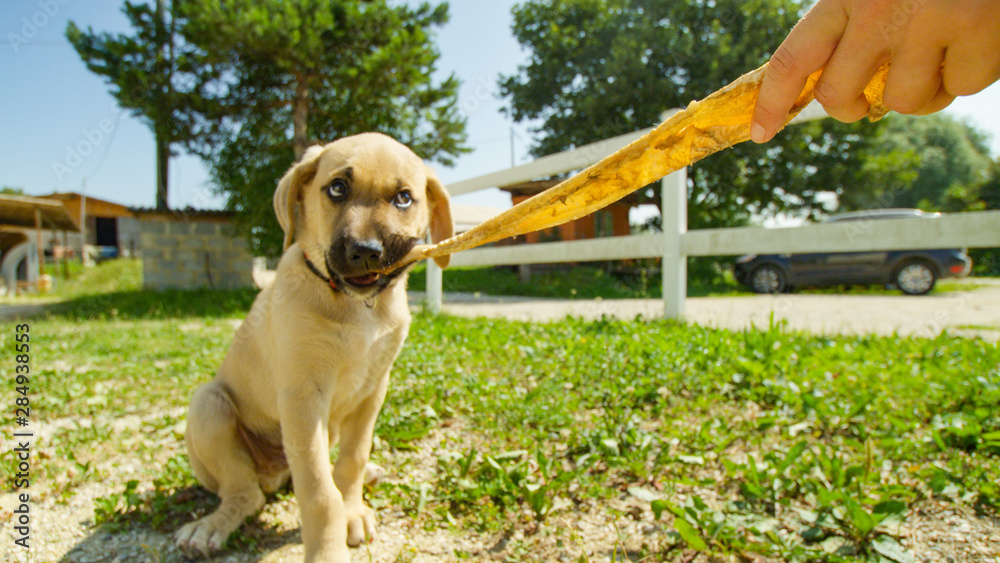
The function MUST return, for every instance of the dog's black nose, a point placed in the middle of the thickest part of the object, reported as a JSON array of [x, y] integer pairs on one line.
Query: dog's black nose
[[365, 254]]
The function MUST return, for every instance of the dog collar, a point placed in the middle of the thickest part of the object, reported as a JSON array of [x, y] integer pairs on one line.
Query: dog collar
[[312, 267]]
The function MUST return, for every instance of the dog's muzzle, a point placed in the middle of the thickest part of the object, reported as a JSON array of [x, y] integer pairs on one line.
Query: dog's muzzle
[[365, 266], [364, 255]]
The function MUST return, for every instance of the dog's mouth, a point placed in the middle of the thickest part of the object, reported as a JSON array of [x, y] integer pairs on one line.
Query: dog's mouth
[[366, 280], [363, 278], [366, 284]]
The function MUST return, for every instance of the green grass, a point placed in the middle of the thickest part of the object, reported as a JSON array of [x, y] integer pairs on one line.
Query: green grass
[[113, 290], [579, 282], [760, 442], [590, 282], [58, 270], [110, 276], [122, 275], [116, 284]]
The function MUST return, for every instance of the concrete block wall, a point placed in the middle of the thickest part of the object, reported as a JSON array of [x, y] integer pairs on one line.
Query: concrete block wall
[[193, 254]]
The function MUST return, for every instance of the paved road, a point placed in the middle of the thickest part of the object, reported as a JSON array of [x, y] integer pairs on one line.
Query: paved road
[[975, 312]]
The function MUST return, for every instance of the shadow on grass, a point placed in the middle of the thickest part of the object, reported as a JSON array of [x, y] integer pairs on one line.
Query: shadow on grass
[[147, 529], [168, 304]]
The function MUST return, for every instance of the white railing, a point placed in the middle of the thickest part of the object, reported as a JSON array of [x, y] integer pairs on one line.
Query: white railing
[[676, 243]]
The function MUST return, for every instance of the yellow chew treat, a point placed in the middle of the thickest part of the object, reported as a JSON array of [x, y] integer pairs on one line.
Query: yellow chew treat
[[719, 121]]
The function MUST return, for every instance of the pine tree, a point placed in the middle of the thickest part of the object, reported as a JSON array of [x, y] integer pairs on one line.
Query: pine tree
[[300, 72], [156, 75]]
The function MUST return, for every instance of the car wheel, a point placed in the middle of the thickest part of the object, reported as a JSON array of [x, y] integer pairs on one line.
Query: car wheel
[[767, 279], [915, 278]]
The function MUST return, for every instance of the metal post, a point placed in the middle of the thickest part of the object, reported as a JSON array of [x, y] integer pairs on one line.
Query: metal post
[[674, 223], [435, 291]]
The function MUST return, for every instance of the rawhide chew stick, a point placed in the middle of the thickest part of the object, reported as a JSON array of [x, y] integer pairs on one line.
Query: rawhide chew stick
[[705, 127]]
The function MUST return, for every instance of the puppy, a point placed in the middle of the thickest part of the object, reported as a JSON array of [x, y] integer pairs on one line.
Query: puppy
[[309, 366]]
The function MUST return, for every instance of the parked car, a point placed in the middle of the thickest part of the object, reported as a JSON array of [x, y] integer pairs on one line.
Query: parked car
[[913, 272]]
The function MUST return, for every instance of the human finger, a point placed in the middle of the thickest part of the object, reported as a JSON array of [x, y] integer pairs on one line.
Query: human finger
[[940, 101], [972, 63], [915, 80], [859, 54], [806, 49]]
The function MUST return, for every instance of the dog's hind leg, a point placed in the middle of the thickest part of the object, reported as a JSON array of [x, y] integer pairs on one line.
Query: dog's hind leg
[[221, 462]]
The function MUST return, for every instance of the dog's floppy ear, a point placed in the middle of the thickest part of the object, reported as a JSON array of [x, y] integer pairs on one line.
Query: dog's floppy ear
[[441, 227], [286, 197]]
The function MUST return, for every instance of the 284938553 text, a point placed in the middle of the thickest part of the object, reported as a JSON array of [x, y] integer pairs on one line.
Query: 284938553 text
[[22, 436]]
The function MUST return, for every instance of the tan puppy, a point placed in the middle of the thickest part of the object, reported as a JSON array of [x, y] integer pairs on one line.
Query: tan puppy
[[309, 366]]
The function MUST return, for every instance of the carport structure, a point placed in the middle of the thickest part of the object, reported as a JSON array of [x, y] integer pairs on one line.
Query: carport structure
[[22, 219]]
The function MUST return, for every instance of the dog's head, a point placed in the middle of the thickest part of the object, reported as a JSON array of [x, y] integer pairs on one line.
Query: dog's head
[[358, 205]]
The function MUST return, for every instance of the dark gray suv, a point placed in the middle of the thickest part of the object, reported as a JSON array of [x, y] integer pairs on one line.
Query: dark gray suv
[[913, 272]]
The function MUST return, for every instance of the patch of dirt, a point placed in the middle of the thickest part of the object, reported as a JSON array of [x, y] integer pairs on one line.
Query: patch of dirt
[[63, 527]]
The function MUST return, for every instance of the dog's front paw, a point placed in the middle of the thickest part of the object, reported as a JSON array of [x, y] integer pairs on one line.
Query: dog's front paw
[[360, 524], [201, 538], [329, 555]]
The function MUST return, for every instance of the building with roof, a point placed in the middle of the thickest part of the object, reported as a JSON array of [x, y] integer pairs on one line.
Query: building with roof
[[110, 228], [181, 249], [24, 223]]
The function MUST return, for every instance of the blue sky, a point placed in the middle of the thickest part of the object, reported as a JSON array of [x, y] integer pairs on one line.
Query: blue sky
[[61, 127]]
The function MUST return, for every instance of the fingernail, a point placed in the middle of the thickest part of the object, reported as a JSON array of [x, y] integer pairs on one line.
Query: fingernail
[[757, 133]]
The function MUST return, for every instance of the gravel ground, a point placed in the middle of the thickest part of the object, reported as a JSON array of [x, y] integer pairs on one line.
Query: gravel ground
[[975, 312], [63, 528], [945, 532]]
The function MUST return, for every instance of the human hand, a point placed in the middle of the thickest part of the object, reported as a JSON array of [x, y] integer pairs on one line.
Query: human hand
[[938, 49]]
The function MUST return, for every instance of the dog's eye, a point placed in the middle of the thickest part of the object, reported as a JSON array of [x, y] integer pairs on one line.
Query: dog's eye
[[337, 190], [402, 200]]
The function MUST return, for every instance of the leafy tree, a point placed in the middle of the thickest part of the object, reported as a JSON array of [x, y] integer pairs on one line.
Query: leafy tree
[[986, 261], [599, 68], [989, 191], [8, 190], [154, 73], [940, 164], [306, 71]]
